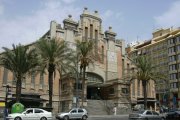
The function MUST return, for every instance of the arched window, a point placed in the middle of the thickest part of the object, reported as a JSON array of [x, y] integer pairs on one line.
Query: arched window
[[102, 54], [86, 33], [33, 79], [91, 31], [41, 82], [5, 76], [94, 78]]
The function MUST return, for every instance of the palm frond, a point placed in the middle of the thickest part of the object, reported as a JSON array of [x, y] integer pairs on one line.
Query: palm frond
[[20, 61]]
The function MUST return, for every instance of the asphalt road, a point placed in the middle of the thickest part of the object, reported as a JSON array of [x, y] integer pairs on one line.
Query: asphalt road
[[103, 117], [109, 117]]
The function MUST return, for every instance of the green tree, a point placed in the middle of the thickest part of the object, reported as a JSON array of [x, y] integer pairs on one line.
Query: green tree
[[145, 71], [21, 60], [86, 56], [54, 55]]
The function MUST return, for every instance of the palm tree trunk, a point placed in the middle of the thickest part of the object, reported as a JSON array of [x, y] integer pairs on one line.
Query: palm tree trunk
[[144, 83], [18, 89], [60, 84], [59, 95], [51, 71], [83, 85]]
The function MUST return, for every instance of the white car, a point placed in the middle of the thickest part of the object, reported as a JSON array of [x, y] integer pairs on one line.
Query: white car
[[75, 113], [31, 114]]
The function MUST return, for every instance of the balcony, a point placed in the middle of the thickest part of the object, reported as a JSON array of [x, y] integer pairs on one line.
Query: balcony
[[173, 89]]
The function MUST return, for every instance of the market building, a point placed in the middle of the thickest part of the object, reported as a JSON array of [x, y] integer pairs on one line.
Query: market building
[[105, 79]]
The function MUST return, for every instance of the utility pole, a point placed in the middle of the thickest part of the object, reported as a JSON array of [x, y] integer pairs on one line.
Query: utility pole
[[6, 102], [77, 95], [7, 92]]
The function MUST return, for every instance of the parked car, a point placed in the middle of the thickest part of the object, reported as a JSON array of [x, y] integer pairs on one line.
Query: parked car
[[138, 107], [146, 115], [75, 113], [173, 115], [31, 114], [164, 109]]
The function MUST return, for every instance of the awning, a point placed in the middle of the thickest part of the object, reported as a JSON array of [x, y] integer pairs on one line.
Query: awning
[[29, 99], [2, 104], [148, 100]]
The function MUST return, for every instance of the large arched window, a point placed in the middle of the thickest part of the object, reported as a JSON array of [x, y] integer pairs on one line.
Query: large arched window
[[94, 79]]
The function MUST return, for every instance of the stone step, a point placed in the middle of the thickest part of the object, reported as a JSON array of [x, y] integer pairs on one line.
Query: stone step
[[105, 107], [96, 107]]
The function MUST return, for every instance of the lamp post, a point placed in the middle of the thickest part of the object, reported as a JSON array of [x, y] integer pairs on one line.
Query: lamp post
[[6, 102], [7, 92], [77, 82]]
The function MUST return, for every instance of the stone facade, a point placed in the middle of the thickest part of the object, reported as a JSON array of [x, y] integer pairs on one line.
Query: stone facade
[[104, 79]]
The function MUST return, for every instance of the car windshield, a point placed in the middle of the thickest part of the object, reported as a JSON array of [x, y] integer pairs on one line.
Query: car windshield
[[172, 110], [67, 110], [23, 111], [141, 111]]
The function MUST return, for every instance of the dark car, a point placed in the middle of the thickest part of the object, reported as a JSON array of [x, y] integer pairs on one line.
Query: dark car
[[173, 115]]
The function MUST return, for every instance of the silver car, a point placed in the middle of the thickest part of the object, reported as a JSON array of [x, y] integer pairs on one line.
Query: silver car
[[31, 114], [146, 115], [75, 113]]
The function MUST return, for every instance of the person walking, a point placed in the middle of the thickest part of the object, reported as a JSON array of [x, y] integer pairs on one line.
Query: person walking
[[5, 113], [115, 110]]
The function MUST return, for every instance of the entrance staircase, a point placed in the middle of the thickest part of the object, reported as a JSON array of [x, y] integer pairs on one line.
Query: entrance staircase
[[97, 107], [105, 107]]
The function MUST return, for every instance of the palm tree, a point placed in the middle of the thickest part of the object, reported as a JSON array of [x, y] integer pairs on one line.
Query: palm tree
[[146, 72], [54, 54], [67, 69], [20, 61], [85, 53]]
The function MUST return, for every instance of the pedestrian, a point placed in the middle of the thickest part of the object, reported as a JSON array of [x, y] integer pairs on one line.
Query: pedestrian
[[161, 110], [115, 110], [5, 113]]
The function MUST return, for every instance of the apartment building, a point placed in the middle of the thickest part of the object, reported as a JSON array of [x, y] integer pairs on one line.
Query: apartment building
[[163, 52], [136, 88], [173, 41]]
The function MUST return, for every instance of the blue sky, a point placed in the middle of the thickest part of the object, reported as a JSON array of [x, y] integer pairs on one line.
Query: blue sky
[[24, 21]]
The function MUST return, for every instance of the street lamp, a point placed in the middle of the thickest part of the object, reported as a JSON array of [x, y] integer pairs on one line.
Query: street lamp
[[7, 92], [77, 82]]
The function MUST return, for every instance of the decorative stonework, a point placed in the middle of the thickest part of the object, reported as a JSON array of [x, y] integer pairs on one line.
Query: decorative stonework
[[70, 24]]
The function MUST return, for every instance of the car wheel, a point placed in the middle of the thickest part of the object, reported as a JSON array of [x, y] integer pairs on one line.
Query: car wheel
[[66, 118], [17, 118], [43, 118], [84, 117]]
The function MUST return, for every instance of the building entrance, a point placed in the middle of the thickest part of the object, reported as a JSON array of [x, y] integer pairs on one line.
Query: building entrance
[[94, 93], [93, 90]]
